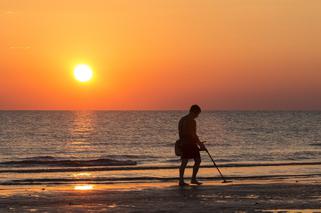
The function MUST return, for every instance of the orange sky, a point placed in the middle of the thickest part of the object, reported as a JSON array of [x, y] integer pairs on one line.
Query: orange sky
[[161, 54]]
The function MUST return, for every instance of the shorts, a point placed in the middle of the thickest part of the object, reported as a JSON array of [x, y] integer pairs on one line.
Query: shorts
[[190, 151]]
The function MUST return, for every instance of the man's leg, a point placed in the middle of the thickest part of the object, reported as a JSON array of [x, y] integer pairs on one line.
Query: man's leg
[[182, 170], [197, 163]]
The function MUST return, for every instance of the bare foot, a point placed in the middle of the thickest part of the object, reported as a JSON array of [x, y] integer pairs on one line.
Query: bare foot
[[182, 183], [194, 181]]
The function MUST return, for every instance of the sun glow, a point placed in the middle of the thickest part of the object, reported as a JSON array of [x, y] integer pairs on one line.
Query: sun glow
[[83, 72]]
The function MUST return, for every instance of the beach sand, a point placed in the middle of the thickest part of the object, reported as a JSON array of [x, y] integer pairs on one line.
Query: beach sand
[[292, 195]]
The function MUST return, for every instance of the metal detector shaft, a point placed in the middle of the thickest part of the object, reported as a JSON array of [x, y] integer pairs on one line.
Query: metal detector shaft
[[216, 166]]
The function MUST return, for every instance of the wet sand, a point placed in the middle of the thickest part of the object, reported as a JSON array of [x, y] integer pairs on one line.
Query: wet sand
[[238, 196]]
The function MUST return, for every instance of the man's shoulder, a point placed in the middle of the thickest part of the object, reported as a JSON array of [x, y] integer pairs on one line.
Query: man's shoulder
[[187, 118]]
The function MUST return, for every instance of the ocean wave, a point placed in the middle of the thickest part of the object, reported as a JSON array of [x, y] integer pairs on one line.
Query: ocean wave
[[140, 157], [178, 160], [132, 167], [315, 144], [51, 161]]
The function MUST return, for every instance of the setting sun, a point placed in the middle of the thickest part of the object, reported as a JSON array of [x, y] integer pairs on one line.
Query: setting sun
[[83, 72]]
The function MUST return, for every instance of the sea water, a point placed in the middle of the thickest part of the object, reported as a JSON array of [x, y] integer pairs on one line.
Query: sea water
[[61, 146]]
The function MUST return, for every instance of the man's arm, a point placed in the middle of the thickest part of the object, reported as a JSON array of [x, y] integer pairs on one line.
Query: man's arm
[[196, 138]]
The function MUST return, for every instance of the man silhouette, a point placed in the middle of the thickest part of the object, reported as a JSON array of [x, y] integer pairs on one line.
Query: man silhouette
[[191, 145]]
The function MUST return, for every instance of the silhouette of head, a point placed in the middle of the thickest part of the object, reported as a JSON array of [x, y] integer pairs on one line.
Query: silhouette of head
[[195, 110]]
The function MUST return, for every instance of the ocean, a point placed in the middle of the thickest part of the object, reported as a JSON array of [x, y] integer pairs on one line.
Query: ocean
[[57, 147]]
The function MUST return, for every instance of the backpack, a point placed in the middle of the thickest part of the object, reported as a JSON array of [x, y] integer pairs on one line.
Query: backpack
[[178, 148]]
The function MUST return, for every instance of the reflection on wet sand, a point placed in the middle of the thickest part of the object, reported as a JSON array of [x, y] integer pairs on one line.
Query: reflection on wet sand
[[84, 187], [293, 210], [82, 174], [164, 197]]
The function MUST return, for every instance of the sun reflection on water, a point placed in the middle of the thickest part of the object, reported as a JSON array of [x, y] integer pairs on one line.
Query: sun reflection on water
[[82, 129]]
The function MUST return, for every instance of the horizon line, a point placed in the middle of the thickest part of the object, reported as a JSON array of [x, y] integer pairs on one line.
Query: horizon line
[[173, 110]]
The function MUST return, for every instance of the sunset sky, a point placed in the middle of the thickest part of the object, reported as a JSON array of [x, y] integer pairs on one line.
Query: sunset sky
[[161, 54]]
